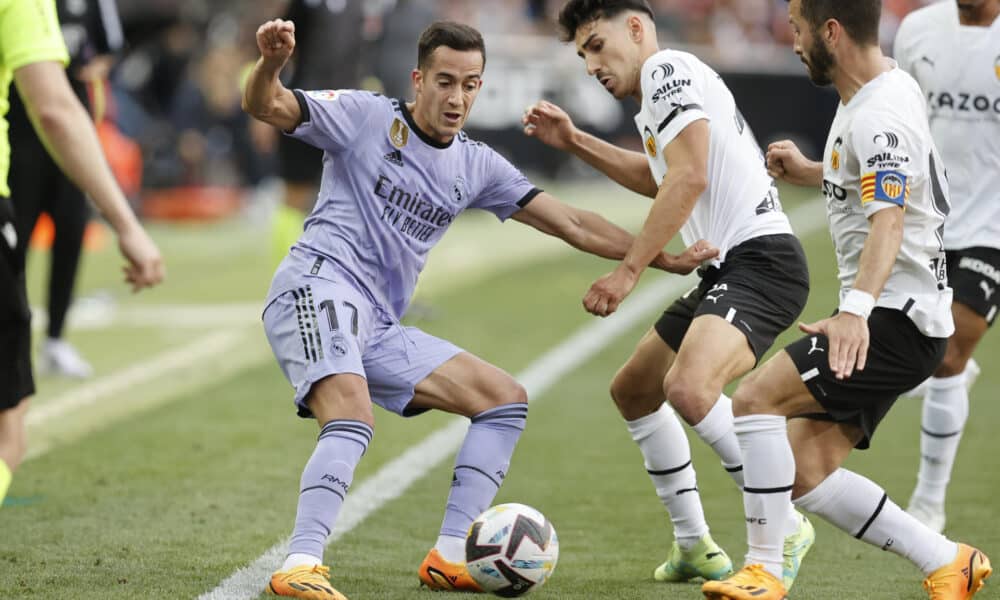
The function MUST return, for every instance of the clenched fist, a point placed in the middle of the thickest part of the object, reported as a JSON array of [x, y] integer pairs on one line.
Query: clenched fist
[[276, 40]]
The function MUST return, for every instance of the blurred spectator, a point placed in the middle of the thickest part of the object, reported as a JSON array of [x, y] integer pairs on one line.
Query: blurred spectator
[[175, 89], [395, 57]]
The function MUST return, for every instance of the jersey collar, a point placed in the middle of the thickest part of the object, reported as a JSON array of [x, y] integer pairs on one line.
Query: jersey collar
[[420, 133]]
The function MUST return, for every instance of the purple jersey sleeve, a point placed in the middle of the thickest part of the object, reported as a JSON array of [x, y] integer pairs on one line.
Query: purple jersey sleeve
[[333, 119], [505, 189]]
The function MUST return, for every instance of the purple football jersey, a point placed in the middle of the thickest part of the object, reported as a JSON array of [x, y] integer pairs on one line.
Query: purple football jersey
[[389, 192]]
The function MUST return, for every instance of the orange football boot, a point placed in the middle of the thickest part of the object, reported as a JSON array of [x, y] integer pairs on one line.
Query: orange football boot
[[960, 579], [752, 582], [309, 582], [440, 575]]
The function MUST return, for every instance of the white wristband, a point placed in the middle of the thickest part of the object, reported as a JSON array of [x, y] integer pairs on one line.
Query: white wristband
[[858, 302]]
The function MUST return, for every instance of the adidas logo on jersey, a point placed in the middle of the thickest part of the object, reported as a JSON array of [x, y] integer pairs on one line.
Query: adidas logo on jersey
[[395, 157]]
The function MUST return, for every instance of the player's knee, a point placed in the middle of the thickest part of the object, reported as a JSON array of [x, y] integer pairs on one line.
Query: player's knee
[[953, 363], [631, 398], [512, 393], [622, 390], [498, 392], [753, 396], [692, 399], [806, 480], [343, 398]]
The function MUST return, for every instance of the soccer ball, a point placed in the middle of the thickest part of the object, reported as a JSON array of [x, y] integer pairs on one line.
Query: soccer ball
[[511, 549]]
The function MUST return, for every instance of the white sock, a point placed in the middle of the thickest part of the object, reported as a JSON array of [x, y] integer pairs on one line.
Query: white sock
[[946, 409], [861, 508], [667, 455], [716, 430], [451, 548], [298, 560], [769, 470]]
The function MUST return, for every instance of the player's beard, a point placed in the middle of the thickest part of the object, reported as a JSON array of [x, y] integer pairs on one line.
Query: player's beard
[[820, 64]]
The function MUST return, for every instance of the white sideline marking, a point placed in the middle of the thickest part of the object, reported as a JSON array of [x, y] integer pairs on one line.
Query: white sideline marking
[[173, 374], [395, 477], [204, 348], [96, 314]]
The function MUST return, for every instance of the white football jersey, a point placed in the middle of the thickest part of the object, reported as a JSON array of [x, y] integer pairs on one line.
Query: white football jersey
[[740, 202], [880, 154], [958, 68]]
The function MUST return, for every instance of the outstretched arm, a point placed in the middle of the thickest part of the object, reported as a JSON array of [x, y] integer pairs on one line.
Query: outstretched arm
[[552, 126], [63, 124], [265, 98], [685, 181], [593, 233]]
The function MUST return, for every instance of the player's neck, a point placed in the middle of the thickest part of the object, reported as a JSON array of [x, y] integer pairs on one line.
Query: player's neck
[[647, 51], [423, 125], [979, 16], [857, 67]]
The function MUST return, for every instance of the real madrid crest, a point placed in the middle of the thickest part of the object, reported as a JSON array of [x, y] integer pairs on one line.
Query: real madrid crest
[[649, 140], [458, 192], [996, 67], [399, 133]]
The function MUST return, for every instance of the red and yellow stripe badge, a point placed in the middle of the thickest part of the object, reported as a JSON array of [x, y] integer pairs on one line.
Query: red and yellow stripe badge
[[887, 186], [867, 188]]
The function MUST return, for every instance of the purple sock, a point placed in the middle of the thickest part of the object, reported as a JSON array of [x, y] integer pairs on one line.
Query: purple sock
[[325, 482], [482, 464]]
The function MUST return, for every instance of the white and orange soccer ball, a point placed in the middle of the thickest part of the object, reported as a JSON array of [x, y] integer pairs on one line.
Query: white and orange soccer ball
[[511, 549]]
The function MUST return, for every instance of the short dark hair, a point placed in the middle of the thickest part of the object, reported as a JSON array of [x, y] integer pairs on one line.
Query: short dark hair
[[860, 18], [581, 12], [452, 35]]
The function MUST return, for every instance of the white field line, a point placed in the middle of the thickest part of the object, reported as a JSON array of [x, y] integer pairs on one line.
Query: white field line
[[141, 386], [94, 314], [395, 477], [204, 348]]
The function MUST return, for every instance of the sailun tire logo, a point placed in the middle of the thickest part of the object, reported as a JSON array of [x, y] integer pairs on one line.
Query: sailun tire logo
[[887, 139], [664, 71]]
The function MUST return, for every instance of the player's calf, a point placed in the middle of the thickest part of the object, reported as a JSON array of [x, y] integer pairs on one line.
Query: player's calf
[[480, 468]]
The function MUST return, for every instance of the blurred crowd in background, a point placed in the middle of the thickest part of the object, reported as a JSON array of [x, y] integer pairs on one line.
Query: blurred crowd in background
[[174, 114]]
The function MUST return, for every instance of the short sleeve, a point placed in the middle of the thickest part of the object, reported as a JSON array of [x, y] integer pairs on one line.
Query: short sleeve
[[333, 119], [902, 46], [674, 95], [887, 154], [30, 33], [506, 190]]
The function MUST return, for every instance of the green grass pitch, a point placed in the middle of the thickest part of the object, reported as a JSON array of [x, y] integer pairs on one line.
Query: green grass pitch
[[168, 486]]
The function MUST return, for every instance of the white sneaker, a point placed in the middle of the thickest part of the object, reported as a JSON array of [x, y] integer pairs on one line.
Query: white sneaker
[[931, 515], [972, 371], [60, 358]]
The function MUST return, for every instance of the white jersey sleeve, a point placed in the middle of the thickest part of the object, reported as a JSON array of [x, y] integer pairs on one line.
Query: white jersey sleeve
[[888, 154], [674, 93], [958, 69], [904, 46], [740, 202]]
